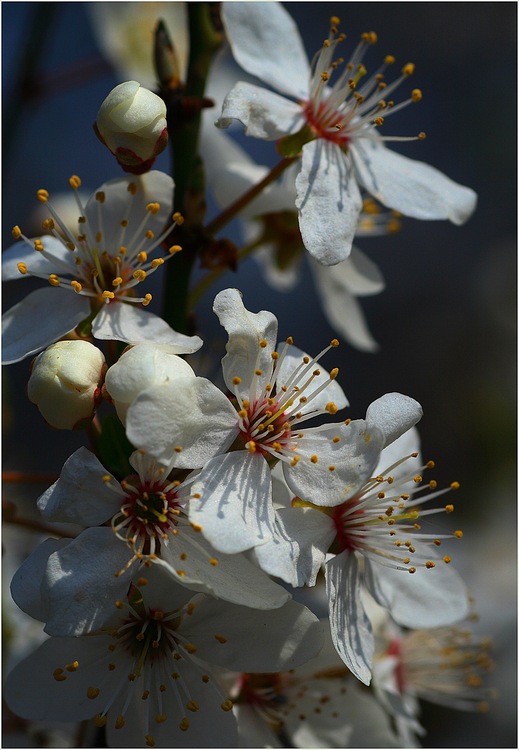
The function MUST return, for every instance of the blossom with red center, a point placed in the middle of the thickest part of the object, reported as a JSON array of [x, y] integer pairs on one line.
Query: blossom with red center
[[99, 263], [333, 117]]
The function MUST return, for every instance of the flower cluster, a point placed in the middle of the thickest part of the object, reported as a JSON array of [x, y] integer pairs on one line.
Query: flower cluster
[[170, 588]]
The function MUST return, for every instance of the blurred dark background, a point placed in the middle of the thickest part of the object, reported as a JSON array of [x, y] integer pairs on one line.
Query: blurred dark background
[[446, 323]]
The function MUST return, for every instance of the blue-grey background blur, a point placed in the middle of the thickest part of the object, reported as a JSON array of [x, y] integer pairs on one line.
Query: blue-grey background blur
[[446, 322]]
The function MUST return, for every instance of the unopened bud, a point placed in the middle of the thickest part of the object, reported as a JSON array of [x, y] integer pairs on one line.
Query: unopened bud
[[139, 368], [65, 382], [132, 124]]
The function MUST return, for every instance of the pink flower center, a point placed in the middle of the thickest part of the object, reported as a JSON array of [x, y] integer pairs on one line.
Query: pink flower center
[[326, 124]]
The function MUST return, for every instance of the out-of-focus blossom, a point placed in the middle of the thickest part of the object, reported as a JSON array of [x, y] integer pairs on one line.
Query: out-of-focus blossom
[[131, 122], [333, 118], [125, 33], [65, 382], [94, 269]]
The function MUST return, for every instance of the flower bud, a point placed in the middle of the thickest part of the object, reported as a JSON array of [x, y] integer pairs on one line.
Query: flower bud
[[65, 382], [139, 368], [132, 124]]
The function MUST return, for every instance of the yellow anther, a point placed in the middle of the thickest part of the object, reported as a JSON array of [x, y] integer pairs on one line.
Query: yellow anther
[[236, 381], [334, 373], [335, 20], [38, 245], [227, 705], [174, 249], [314, 459], [336, 439], [22, 267], [449, 508], [147, 299], [331, 408], [72, 666], [119, 722], [92, 692], [181, 573], [153, 208], [458, 534], [258, 372], [412, 570], [326, 43], [142, 257], [59, 675], [99, 237], [132, 188], [16, 232], [119, 604], [220, 638], [99, 720], [430, 564], [334, 343], [416, 95], [331, 468], [150, 741], [161, 718], [213, 561], [156, 262], [447, 559], [433, 484], [193, 705], [183, 556], [290, 340], [74, 182], [100, 196], [389, 59], [251, 446], [108, 295], [184, 725], [53, 280], [417, 479], [422, 136], [178, 218], [43, 196], [149, 235], [263, 344], [408, 69], [455, 485], [117, 281], [325, 76], [378, 121], [139, 274]]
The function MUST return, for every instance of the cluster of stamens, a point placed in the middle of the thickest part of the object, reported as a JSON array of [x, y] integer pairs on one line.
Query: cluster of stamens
[[104, 273], [344, 103], [381, 520], [269, 417]]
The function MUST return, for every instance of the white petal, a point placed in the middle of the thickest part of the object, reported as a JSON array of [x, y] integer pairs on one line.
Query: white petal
[[354, 457], [266, 42], [231, 577], [282, 279], [189, 414], [80, 495], [357, 274], [40, 319], [119, 204], [263, 113], [246, 330], [295, 358], [36, 262], [80, 585], [253, 730], [235, 504], [26, 583], [328, 201], [411, 187], [349, 624], [393, 414], [425, 599], [299, 546], [256, 640], [406, 444], [341, 307], [134, 325]]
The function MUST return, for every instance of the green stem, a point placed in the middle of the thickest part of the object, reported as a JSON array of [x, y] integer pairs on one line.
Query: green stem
[[234, 209], [208, 280]]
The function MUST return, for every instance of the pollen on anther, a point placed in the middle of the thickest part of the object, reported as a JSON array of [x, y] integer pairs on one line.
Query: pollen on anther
[[455, 485], [174, 249], [449, 508], [331, 408], [42, 195], [178, 218], [184, 725], [458, 534], [227, 705], [92, 692], [220, 638], [22, 268], [447, 559], [16, 232], [408, 69]]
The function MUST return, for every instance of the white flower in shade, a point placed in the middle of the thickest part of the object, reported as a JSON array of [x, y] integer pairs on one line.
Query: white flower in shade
[[333, 115], [319, 704], [93, 270], [146, 672], [131, 122], [273, 392], [446, 666], [373, 538], [145, 523], [140, 367], [65, 382]]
